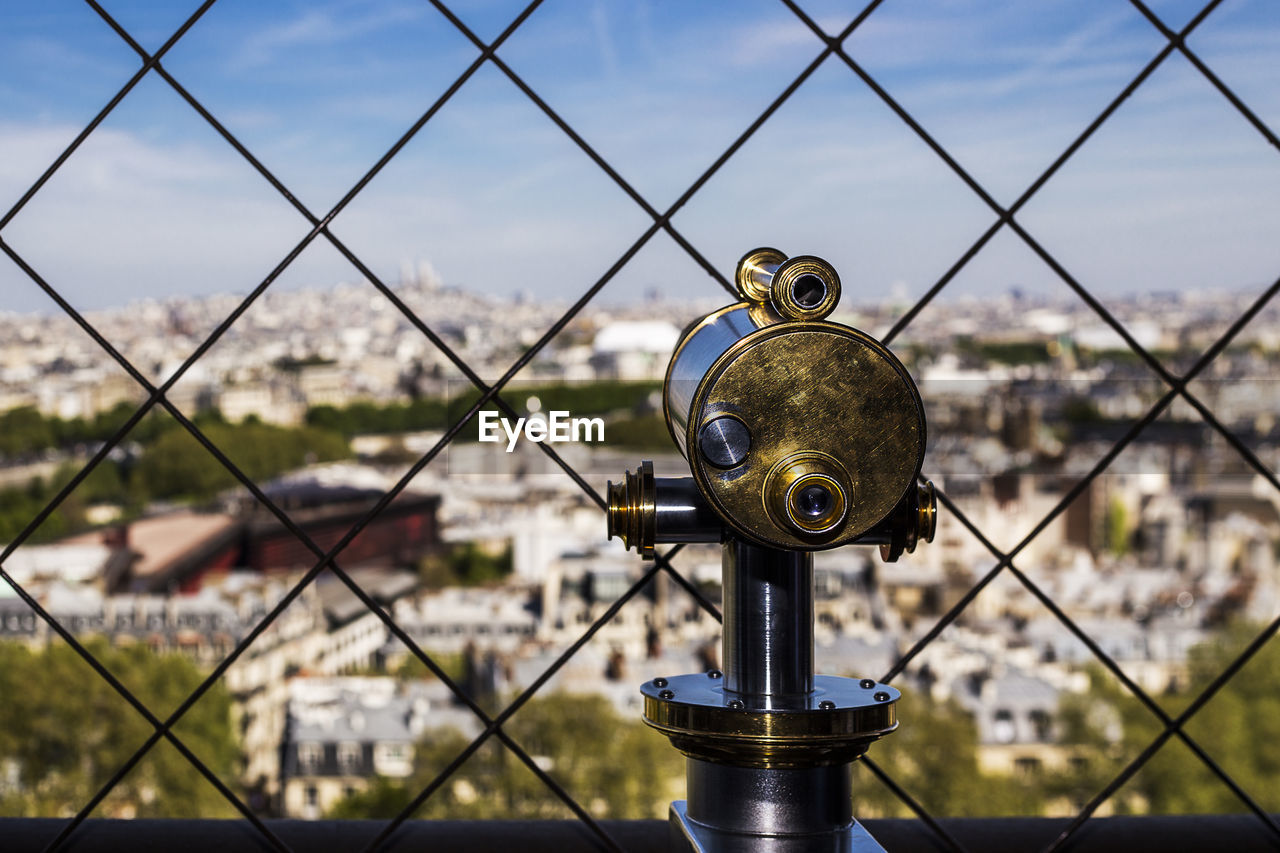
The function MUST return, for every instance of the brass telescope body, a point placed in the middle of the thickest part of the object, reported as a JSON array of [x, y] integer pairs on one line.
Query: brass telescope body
[[801, 435]]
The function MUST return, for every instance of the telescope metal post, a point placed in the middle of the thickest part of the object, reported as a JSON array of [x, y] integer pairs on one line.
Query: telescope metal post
[[768, 663], [768, 622]]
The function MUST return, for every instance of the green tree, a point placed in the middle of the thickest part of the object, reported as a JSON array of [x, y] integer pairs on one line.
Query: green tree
[[64, 731], [1239, 728], [105, 484], [466, 564], [19, 506], [614, 767], [646, 432], [24, 430], [175, 466], [1117, 528], [933, 755], [172, 466], [433, 413], [1080, 410]]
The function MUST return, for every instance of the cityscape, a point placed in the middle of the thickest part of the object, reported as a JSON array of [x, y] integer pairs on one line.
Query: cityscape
[[495, 562], [269, 567]]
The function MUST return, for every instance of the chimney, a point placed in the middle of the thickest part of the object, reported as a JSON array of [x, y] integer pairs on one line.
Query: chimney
[[116, 537]]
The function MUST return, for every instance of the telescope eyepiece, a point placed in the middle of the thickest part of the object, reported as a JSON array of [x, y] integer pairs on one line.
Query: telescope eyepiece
[[799, 288], [808, 494], [813, 501], [804, 288], [755, 272], [808, 290]]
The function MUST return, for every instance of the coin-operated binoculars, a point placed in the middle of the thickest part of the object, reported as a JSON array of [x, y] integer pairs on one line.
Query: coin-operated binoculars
[[802, 435]]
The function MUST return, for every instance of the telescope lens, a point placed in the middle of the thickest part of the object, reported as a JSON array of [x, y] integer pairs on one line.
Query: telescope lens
[[808, 291], [814, 501], [807, 499]]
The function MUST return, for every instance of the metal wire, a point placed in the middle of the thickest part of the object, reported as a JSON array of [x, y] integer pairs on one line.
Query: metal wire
[[947, 839], [490, 394]]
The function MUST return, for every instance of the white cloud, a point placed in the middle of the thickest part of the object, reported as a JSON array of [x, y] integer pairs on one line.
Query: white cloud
[[124, 218], [318, 25]]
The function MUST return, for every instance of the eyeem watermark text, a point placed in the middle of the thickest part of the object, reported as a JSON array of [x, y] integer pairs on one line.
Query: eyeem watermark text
[[556, 427]]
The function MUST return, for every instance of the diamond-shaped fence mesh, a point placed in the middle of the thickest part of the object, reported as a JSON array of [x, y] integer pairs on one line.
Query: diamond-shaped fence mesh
[[831, 49]]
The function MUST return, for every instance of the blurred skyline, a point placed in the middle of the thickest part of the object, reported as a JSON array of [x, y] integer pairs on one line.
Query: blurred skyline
[[1175, 192], [1144, 526]]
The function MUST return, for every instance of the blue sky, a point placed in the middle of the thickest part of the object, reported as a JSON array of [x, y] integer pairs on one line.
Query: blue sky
[[1177, 191]]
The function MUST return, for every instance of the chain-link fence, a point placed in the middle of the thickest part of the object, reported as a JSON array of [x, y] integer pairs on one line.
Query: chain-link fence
[[830, 50]]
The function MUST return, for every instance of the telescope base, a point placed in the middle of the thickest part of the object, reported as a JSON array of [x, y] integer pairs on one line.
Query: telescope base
[[692, 837], [734, 809]]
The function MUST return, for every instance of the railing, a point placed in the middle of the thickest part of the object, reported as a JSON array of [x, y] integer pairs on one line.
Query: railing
[[942, 834], [1192, 833]]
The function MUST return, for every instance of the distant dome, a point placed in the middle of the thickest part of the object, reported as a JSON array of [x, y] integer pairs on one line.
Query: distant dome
[[653, 336]]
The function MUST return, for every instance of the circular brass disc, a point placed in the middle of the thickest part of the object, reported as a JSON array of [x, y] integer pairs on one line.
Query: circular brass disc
[[811, 387], [834, 723]]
